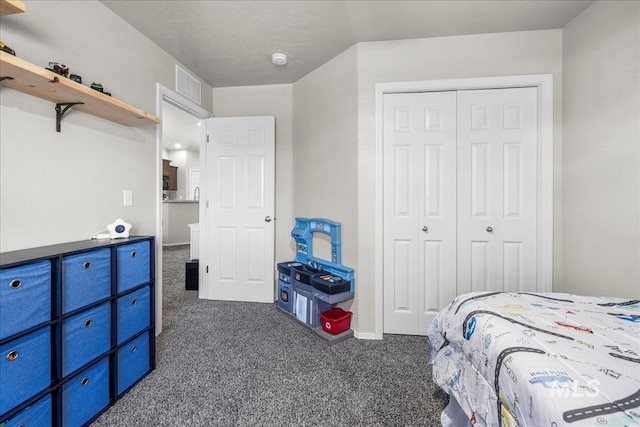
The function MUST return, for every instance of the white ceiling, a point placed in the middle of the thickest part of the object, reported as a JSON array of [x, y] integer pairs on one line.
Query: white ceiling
[[179, 127], [229, 43]]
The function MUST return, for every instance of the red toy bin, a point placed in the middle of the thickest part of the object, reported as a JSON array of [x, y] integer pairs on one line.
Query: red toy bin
[[336, 320]]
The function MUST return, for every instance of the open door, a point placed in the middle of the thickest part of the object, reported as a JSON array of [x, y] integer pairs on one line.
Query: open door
[[239, 204]]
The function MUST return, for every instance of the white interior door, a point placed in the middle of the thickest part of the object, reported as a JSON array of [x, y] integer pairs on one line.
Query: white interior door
[[419, 210], [239, 207], [497, 190]]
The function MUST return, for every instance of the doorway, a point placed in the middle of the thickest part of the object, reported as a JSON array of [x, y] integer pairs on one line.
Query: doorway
[[542, 86], [168, 104]]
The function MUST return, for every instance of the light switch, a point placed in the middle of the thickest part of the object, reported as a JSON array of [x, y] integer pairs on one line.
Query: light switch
[[128, 198]]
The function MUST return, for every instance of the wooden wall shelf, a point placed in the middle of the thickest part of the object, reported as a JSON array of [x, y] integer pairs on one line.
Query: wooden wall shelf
[[9, 7], [26, 77]]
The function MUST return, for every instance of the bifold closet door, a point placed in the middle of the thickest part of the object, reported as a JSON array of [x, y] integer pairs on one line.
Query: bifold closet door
[[497, 190], [419, 208], [460, 199]]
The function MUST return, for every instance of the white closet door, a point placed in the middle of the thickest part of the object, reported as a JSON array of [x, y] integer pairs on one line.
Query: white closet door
[[419, 208], [497, 190]]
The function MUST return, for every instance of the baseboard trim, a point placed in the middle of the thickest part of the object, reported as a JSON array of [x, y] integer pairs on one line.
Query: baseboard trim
[[175, 244], [364, 335]]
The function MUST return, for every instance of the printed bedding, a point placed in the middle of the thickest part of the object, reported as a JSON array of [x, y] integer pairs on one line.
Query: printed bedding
[[524, 359]]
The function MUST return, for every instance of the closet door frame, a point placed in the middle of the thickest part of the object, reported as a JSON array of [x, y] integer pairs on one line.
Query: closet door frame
[[544, 85]]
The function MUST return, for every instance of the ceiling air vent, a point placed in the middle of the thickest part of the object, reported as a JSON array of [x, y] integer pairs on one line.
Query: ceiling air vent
[[188, 85]]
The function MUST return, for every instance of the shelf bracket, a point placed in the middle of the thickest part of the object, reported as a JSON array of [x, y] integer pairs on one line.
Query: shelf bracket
[[60, 112]]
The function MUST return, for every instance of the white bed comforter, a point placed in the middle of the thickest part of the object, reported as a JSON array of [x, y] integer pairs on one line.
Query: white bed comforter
[[540, 359]]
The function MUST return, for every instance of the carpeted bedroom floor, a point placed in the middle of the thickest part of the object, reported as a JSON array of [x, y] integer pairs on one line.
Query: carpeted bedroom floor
[[247, 364]]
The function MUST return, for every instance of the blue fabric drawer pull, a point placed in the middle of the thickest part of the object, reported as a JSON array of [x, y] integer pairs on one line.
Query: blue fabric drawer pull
[[134, 262], [25, 297], [85, 336], [86, 394], [38, 414], [133, 362], [133, 313], [25, 368], [86, 278]]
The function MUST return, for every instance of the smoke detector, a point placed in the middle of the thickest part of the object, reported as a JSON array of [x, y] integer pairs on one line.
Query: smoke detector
[[279, 58]]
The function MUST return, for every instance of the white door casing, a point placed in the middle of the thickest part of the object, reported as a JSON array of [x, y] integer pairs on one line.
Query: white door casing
[[497, 181], [165, 94], [420, 218], [239, 208]]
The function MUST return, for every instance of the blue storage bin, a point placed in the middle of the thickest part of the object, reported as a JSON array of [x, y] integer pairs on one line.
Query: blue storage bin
[[86, 278], [133, 313], [25, 297], [25, 368], [37, 415], [133, 362], [133, 265], [86, 394], [85, 336]]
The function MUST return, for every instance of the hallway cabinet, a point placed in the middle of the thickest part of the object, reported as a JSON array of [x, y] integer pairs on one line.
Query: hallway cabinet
[[76, 329]]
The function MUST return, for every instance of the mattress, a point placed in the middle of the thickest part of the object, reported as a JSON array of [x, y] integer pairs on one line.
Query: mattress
[[547, 359]]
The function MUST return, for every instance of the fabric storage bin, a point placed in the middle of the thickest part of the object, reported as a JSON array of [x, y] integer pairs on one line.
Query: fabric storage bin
[[86, 278], [133, 362], [25, 368], [134, 266], [37, 415], [25, 297], [85, 336], [133, 313], [86, 394]]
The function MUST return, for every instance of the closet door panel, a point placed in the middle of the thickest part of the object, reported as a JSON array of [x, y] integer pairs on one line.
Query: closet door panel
[[419, 212], [497, 183]]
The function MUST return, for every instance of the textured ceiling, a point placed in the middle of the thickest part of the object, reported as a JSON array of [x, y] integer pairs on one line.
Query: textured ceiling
[[229, 43]]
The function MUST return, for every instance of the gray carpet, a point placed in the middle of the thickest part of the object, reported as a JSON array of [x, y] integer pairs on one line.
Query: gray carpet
[[246, 364]]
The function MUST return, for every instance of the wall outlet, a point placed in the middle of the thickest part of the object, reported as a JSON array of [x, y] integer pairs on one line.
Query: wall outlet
[[128, 198]]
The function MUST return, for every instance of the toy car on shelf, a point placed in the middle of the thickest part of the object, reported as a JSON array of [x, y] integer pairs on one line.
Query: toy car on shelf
[[7, 49]]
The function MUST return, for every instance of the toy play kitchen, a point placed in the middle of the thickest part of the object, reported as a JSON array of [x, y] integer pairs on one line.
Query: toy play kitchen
[[309, 287]]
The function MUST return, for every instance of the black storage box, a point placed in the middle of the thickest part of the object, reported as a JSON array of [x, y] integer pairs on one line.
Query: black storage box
[[303, 273], [330, 284], [191, 275]]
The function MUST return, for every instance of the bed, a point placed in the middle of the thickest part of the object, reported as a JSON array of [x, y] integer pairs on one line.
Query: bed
[[538, 359]]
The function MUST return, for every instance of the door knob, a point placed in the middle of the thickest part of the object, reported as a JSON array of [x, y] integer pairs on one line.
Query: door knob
[[425, 229], [267, 218], [489, 229]]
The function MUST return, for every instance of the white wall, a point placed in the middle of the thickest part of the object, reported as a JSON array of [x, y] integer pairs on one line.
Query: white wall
[[269, 100], [527, 52], [60, 187], [601, 168], [325, 153], [176, 218]]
